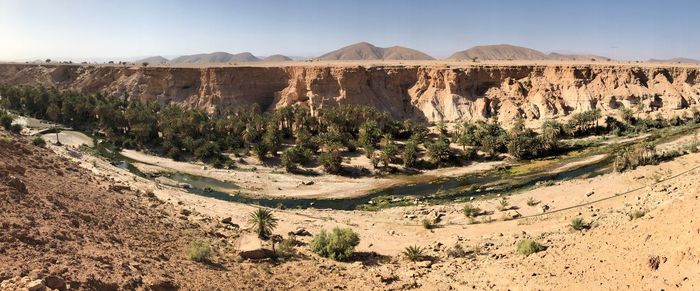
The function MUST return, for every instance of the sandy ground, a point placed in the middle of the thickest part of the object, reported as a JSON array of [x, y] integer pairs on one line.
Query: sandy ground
[[70, 138], [274, 182], [573, 261], [569, 262]]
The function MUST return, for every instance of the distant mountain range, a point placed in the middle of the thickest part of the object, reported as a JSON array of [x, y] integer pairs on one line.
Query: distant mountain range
[[676, 60], [214, 58], [511, 52], [367, 51]]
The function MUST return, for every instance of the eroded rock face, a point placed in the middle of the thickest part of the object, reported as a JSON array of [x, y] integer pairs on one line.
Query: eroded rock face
[[429, 93]]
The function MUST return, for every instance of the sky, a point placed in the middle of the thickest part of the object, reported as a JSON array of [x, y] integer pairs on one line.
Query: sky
[[85, 29]]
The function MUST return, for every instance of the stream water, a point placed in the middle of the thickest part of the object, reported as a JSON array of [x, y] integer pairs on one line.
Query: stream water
[[440, 190], [435, 191]]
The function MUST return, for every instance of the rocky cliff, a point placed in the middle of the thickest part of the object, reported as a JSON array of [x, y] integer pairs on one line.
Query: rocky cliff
[[421, 92]]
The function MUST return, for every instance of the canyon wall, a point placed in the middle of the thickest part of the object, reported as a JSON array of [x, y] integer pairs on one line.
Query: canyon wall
[[419, 92]]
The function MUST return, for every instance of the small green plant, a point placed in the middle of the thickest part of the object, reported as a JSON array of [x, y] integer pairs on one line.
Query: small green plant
[[38, 141], [503, 204], [457, 251], [471, 210], [338, 245], [531, 201], [262, 222], [428, 223], [637, 213], [6, 121], [549, 183], [413, 253], [578, 224], [199, 251], [16, 128], [285, 249], [486, 219], [528, 247]]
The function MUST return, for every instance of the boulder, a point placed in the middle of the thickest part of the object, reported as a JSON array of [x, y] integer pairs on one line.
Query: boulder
[[300, 231], [36, 285], [55, 282], [16, 183], [185, 212], [424, 264], [251, 247], [162, 285], [118, 188]]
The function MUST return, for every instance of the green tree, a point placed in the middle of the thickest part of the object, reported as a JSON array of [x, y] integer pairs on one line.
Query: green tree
[[410, 153], [389, 147], [439, 151], [263, 222], [272, 137], [551, 133], [369, 134], [331, 159]]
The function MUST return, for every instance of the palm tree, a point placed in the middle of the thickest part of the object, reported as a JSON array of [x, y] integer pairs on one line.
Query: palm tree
[[262, 222]]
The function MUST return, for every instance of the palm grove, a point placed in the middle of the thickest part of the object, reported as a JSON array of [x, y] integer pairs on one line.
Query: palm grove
[[295, 136]]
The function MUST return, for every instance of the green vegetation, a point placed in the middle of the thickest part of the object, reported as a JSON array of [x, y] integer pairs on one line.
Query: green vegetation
[[262, 222], [637, 213], [413, 253], [39, 141], [199, 251], [297, 137], [471, 210], [503, 204], [531, 201], [639, 155], [578, 224], [527, 247], [285, 249], [338, 245]]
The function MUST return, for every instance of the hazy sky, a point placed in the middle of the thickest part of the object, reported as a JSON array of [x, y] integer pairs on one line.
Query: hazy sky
[[33, 29]]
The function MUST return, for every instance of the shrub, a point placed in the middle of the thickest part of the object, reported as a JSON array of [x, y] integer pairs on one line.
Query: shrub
[[527, 247], [503, 204], [457, 251], [6, 121], [531, 201], [199, 251], [38, 141], [428, 224], [285, 249], [338, 245], [578, 224], [471, 210], [637, 213], [16, 128], [413, 253]]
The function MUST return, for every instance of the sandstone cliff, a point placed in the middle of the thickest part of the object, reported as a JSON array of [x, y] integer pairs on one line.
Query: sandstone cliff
[[420, 92]]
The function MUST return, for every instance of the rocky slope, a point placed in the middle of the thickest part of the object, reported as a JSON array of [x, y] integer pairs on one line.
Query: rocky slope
[[63, 226], [420, 92]]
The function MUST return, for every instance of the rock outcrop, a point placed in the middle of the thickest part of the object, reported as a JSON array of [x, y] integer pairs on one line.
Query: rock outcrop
[[420, 92]]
